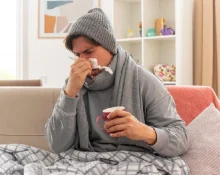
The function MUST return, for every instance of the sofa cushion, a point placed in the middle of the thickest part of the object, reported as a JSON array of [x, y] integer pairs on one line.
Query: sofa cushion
[[192, 100], [203, 154], [24, 112]]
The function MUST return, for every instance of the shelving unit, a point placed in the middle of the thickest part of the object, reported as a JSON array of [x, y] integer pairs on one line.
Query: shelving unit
[[171, 49]]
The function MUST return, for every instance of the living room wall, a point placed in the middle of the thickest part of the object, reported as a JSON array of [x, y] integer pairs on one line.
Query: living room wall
[[46, 58]]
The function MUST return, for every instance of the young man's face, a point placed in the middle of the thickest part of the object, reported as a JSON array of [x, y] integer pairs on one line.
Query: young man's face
[[83, 48]]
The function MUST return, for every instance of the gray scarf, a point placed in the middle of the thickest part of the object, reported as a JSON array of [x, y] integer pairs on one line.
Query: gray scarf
[[126, 93]]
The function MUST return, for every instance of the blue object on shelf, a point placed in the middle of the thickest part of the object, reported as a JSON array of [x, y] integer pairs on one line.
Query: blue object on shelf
[[151, 32]]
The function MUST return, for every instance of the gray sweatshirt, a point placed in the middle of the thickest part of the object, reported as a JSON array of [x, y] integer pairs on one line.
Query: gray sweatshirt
[[172, 139]]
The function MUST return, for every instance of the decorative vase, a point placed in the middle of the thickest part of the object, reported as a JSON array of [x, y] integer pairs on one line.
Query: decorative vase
[[151, 32]]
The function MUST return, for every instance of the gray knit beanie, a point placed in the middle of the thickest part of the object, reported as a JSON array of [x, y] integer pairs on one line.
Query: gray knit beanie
[[96, 25]]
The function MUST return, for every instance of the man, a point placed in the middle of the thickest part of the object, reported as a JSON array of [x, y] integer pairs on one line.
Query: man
[[150, 122]]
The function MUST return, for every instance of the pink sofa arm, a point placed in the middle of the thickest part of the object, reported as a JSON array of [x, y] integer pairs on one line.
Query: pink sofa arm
[[192, 100]]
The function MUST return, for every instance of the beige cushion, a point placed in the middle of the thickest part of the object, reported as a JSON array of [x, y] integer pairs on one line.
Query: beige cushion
[[203, 154], [24, 112]]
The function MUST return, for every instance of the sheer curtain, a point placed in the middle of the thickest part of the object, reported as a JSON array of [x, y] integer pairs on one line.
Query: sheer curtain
[[8, 39]]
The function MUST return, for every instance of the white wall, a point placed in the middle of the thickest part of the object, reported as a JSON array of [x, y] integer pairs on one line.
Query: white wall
[[47, 58]]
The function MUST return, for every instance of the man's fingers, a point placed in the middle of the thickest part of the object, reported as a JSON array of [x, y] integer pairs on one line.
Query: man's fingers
[[118, 113], [119, 134], [81, 63], [115, 121], [85, 63], [116, 128], [81, 69], [86, 72]]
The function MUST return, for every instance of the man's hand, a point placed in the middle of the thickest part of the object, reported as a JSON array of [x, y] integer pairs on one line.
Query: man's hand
[[124, 124], [78, 72]]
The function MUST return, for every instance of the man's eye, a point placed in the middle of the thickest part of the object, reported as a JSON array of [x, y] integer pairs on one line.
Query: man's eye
[[88, 52], [76, 54]]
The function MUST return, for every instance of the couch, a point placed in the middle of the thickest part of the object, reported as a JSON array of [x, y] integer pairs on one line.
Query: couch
[[25, 110]]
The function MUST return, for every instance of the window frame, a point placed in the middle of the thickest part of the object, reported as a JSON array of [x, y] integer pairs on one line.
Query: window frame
[[21, 39]]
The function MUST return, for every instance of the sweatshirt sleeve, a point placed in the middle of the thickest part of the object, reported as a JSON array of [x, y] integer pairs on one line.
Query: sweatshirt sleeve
[[60, 128], [161, 114]]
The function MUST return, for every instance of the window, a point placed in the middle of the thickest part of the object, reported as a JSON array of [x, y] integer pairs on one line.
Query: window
[[8, 39]]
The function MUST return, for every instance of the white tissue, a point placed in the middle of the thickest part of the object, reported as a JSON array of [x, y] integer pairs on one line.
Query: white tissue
[[96, 66]]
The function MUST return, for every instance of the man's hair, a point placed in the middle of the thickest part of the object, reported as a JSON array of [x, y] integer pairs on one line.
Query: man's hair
[[69, 39]]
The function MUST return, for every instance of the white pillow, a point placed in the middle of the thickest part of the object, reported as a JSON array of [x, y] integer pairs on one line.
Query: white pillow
[[203, 155]]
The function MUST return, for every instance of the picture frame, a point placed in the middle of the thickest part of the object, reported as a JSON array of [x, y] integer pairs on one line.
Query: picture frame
[[55, 17]]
